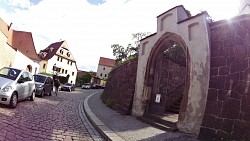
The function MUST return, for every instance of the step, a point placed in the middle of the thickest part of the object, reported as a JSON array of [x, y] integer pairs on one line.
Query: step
[[172, 110], [158, 125], [175, 107]]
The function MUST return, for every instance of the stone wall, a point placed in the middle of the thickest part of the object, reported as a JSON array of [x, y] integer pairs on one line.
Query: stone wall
[[227, 113], [120, 87]]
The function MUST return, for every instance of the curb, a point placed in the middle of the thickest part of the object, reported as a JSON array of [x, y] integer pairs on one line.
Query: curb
[[107, 133]]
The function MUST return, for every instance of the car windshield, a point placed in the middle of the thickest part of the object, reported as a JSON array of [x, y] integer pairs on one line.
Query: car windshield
[[9, 73], [39, 78], [68, 84]]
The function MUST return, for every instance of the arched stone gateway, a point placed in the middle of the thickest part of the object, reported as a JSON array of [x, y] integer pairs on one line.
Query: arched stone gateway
[[175, 28]]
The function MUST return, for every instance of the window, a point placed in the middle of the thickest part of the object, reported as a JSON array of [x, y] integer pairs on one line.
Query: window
[[71, 81], [68, 54], [61, 59], [58, 58], [103, 68], [62, 70], [101, 74], [105, 75], [44, 66], [68, 62], [66, 71], [61, 51], [73, 73], [71, 63]]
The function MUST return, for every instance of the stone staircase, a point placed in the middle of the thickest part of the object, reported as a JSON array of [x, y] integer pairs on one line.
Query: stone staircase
[[175, 107], [166, 122]]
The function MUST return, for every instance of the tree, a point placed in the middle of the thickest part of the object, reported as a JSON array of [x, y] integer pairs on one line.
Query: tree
[[86, 77], [131, 51]]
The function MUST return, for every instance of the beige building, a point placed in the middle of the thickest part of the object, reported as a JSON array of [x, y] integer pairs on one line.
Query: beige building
[[17, 49], [57, 55], [7, 53], [105, 66]]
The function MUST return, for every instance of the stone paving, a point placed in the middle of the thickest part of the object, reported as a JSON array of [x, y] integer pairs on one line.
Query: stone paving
[[59, 118], [127, 127]]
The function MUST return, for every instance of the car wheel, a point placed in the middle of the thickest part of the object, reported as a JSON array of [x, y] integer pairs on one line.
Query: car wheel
[[13, 100], [42, 93], [32, 97]]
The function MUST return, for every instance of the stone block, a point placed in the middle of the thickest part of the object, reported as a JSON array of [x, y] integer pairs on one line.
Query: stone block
[[209, 121], [218, 62], [229, 43], [244, 87], [240, 65], [213, 108], [227, 125], [231, 109], [239, 130], [224, 71], [212, 94], [242, 32], [240, 52]]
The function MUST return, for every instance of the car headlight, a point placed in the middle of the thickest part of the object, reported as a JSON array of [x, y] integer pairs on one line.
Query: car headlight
[[7, 88], [40, 86]]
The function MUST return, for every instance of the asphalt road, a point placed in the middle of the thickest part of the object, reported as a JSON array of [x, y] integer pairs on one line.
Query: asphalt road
[[49, 118]]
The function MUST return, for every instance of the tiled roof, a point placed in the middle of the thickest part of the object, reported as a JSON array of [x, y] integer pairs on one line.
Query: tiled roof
[[19, 40], [23, 42], [107, 62], [50, 51]]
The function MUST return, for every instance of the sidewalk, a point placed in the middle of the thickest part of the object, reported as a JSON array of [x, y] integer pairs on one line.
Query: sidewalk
[[117, 127]]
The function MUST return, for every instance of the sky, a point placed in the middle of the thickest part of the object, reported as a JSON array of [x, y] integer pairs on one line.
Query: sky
[[90, 27]]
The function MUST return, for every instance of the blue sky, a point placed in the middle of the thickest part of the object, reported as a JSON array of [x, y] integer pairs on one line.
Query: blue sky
[[96, 2], [90, 27]]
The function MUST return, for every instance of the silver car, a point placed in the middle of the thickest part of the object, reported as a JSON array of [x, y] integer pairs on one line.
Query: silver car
[[15, 85]]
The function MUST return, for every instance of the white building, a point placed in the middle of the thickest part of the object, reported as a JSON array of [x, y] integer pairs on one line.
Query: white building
[[104, 67], [57, 55]]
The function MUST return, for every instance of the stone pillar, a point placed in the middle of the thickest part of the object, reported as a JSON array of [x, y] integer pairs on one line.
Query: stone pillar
[[244, 7]]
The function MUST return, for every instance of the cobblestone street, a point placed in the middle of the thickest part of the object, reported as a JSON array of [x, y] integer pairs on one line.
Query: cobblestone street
[[49, 118]]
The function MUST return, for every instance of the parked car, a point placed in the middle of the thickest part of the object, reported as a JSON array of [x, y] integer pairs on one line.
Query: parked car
[[96, 86], [86, 86], [68, 87], [15, 85], [44, 84]]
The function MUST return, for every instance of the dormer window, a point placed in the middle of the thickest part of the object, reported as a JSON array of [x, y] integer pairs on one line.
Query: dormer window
[[44, 54], [68, 54], [61, 51], [51, 49]]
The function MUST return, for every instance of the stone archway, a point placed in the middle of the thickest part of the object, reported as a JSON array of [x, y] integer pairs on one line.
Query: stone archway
[[192, 34], [158, 74]]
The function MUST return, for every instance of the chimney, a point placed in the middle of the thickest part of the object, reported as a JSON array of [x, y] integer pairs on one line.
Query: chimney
[[9, 26]]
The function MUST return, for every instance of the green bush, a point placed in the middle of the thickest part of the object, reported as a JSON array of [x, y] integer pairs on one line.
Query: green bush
[[110, 103]]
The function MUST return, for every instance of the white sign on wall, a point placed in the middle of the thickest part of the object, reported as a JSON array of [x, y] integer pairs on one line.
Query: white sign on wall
[[158, 98]]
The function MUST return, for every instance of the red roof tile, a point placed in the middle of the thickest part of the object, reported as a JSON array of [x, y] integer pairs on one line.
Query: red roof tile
[[107, 62], [23, 42]]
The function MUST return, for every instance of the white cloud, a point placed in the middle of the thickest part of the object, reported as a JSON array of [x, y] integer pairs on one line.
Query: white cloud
[[90, 30]]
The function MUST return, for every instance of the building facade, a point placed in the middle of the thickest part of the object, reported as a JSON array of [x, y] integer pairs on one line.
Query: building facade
[[58, 60], [105, 66]]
